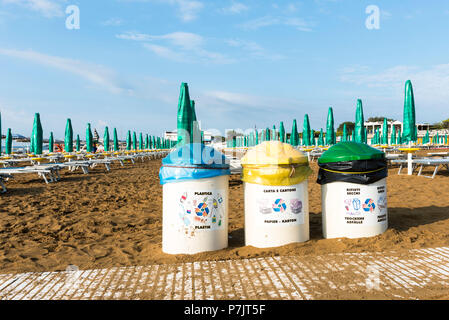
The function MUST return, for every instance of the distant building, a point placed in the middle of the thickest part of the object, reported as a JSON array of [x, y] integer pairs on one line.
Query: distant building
[[371, 127]]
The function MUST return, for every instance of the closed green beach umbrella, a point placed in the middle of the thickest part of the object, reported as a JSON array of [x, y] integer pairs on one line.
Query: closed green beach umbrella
[[282, 132], [330, 131], [427, 137], [359, 129], [267, 135], [51, 143], [294, 139], [115, 142], [134, 141], [141, 141], [184, 116], [385, 132], [78, 143], [128, 141], [409, 127], [393, 135], [37, 134], [68, 138], [306, 131], [106, 139], [344, 137], [89, 138], [321, 138], [8, 143], [399, 137]]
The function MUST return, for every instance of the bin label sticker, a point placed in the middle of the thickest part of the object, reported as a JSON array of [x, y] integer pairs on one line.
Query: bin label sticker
[[361, 208], [200, 210], [280, 205]]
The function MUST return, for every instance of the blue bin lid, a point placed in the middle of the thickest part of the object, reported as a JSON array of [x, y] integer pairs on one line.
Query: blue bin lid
[[193, 161]]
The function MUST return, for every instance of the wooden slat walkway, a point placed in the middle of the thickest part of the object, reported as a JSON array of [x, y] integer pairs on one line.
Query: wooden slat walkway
[[413, 274]]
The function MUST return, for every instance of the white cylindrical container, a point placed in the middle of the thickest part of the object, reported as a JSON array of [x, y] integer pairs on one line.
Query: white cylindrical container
[[353, 210], [276, 215], [195, 215]]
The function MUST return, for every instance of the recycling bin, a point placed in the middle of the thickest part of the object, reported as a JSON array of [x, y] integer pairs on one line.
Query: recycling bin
[[195, 181], [353, 179], [276, 195]]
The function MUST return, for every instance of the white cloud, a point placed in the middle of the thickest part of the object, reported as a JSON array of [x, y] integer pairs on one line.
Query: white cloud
[[299, 23], [253, 49], [178, 46], [48, 8], [188, 10], [135, 36], [165, 52], [235, 8], [95, 74], [185, 40]]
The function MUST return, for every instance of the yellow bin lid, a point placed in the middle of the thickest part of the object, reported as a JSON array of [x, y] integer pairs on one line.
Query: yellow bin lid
[[274, 153], [273, 163]]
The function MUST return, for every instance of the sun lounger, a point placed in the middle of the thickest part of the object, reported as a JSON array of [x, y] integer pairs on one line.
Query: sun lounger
[[15, 162], [424, 162], [41, 172], [438, 154], [95, 162], [53, 168]]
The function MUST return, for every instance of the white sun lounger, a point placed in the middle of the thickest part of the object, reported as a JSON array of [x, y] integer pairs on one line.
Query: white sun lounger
[[14, 162], [424, 163], [41, 172], [95, 162]]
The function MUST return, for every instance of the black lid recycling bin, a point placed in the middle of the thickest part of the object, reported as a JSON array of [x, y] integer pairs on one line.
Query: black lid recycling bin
[[353, 191]]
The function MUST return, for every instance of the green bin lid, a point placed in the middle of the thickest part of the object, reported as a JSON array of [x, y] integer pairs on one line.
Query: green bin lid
[[350, 151]]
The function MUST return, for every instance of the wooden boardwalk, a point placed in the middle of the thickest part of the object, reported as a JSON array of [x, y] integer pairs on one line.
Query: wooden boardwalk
[[413, 274]]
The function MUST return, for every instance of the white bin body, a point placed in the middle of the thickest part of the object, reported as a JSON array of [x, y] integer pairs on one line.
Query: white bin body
[[353, 210], [276, 215], [195, 215]]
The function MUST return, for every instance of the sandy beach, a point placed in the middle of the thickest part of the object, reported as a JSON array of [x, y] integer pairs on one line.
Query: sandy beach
[[107, 219]]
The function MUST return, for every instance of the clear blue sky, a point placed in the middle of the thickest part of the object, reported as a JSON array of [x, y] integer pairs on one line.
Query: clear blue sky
[[247, 62]]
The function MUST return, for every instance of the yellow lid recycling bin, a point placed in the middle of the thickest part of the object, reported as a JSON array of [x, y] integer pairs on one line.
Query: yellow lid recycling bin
[[276, 195]]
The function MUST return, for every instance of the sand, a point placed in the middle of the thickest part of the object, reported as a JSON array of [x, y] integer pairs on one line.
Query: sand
[[108, 219]]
